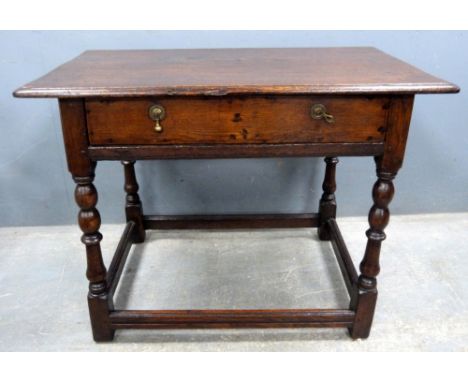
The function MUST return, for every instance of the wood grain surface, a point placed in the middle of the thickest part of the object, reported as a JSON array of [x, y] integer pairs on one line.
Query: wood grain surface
[[237, 120], [118, 73]]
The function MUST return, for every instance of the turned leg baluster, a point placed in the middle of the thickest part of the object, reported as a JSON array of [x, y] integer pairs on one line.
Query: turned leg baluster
[[133, 207], [327, 207], [89, 221], [366, 297]]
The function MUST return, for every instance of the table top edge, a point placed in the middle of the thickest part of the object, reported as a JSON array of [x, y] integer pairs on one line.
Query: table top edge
[[394, 89]]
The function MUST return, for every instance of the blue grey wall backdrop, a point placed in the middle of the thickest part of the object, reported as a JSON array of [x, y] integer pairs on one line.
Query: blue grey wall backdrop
[[36, 188]]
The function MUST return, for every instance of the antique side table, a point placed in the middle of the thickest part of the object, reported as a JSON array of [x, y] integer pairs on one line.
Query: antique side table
[[232, 103]]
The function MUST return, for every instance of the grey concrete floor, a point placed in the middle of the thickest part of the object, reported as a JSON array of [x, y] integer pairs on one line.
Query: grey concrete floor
[[423, 287]]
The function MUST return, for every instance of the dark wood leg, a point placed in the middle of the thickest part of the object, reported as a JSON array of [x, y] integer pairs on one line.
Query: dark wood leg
[[327, 207], [89, 220], [365, 299], [133, 207]]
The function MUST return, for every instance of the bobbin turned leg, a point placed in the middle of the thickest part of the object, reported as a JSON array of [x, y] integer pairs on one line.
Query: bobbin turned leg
[[365, 299], [133, 207], [82, 168], [327, 207], [90, 221]]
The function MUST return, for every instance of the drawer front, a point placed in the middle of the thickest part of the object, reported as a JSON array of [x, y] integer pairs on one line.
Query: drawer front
[[237, 120]]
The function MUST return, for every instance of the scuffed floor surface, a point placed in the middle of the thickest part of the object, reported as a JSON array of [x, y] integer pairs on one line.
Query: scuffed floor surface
[[423, 287]]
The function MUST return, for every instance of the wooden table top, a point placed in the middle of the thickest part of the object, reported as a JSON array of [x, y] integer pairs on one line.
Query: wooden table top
[[122, 73]]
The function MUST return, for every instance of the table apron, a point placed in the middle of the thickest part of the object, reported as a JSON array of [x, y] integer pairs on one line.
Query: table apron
[[135, 152]]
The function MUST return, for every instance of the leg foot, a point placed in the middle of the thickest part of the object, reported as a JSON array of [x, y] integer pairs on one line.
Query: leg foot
[[99, 315], [365, 307]]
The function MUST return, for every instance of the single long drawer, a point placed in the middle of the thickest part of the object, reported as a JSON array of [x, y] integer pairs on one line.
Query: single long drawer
[[237, 120]]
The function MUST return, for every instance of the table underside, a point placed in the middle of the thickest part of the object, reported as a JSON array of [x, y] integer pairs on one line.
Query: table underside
[[232, 318]]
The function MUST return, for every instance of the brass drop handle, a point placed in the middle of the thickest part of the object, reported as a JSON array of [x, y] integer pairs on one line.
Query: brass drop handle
[[319, 111], [157, 113]]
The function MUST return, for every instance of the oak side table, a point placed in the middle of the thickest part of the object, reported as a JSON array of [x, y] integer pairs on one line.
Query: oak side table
[[232, 103]]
